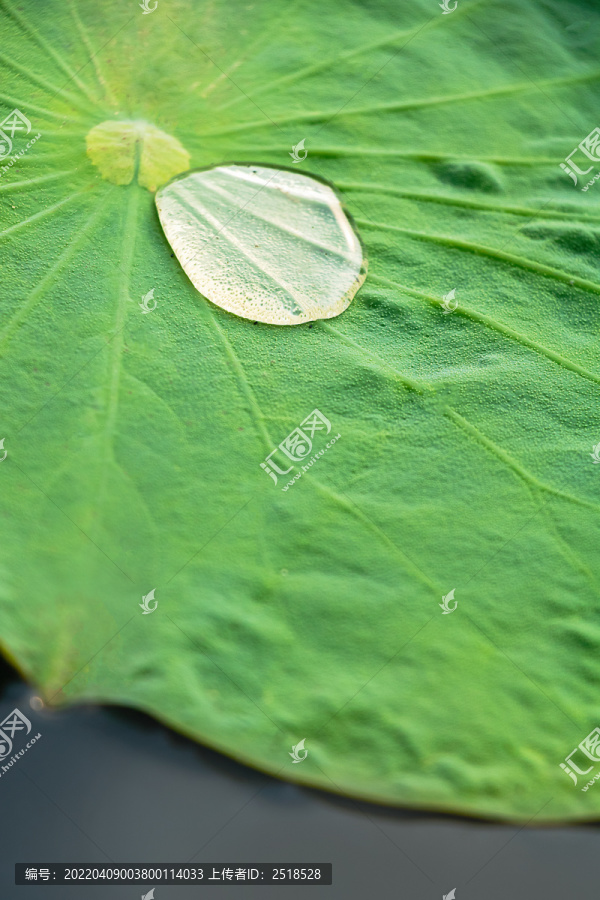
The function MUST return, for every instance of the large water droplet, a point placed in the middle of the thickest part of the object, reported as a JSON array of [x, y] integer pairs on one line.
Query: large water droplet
[[270, 245]]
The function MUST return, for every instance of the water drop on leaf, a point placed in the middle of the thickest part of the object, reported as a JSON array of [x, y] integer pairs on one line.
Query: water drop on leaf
[[267, 244]]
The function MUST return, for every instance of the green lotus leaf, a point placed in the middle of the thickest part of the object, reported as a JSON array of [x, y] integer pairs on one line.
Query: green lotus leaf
[[299, 500]]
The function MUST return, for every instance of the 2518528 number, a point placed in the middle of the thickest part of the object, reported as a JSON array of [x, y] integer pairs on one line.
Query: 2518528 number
[[296, 874]]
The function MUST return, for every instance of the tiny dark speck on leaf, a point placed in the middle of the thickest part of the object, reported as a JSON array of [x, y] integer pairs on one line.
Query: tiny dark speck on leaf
[[240, 429]]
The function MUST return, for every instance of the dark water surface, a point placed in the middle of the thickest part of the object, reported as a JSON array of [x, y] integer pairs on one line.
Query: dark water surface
[[110, 785]]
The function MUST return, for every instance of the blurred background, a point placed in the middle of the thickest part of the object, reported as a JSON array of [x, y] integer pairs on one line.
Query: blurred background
[[111, 785]]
